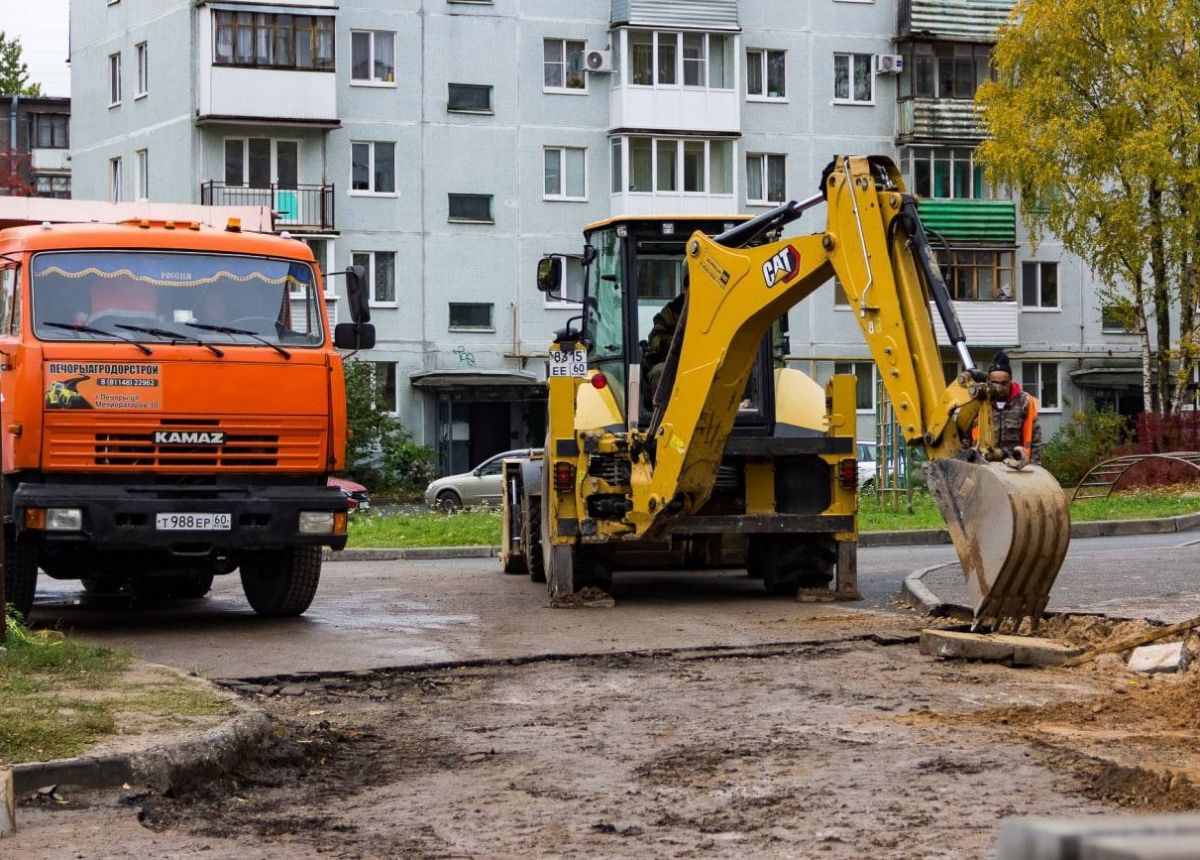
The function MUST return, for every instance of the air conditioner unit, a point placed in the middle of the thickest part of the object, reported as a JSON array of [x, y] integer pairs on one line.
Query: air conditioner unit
[[598, 62], [889, 64]]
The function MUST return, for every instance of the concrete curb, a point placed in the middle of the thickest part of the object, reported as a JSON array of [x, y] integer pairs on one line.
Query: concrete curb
[[915, 537], [167, 767], [918, 595]]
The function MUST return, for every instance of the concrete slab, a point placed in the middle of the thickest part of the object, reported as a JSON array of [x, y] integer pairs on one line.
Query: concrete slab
[[1063, 838], [1143, 847], [991, 647], [1161, 657]]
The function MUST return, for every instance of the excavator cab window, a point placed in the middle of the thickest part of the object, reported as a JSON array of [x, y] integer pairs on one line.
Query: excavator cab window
[[604, 317]]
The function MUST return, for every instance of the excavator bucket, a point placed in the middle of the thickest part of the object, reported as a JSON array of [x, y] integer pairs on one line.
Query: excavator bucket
[[1010, 528]]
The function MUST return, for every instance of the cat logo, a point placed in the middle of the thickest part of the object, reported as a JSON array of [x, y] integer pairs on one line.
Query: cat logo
[[189, 437], [782, 267]]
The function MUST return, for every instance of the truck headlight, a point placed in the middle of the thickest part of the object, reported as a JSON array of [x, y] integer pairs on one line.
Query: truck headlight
[[316, 522], [64, 519]]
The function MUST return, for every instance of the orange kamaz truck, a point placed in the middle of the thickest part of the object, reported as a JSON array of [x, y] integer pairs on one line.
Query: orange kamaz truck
[[172, 405]]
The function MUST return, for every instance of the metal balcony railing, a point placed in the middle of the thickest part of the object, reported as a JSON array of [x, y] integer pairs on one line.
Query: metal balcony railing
[[308, 207]]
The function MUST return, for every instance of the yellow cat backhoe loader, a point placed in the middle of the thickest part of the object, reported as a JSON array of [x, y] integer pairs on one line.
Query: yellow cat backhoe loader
[[734, 455]]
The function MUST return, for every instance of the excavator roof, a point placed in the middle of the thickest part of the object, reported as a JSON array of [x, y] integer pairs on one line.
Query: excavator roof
[[660, 219]]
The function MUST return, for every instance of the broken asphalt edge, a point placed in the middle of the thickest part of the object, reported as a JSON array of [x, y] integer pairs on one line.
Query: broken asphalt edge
[[164, 767], [915, 537]]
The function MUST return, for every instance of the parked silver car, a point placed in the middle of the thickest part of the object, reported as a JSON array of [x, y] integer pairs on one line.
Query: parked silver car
[[482, 486]]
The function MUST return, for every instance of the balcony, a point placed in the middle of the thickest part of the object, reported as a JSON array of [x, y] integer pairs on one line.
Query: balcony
[[50, 159], [992, 324], [675, 109], [991, 221], [966, 20], [939, 121], [234, 94], [302, 208], [672, 203]]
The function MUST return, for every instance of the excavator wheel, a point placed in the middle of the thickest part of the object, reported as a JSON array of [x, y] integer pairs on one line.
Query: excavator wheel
[[1010, 528], [786, 563]]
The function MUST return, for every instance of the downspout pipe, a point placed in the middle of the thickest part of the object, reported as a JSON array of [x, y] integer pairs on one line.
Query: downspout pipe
[[12, 122]]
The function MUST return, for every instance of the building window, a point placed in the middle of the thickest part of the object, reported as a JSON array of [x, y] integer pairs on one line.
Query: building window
[[142, 189], [766, 178], [274, 41], [671, 166], [383, 374], [977, 276], [372, 57], [864, 389], [853, 81], [471, 316], [565, 173], [1039, 285], [114, 79], [49, 185], [49, 131], [373, 167], [840, 299], [143, 70], [563, 65], [470, 98], [473, 208], [380, 267], [945, 173], [1040, 378], [944, 70], [766, 73], [114, 180], [1116, 320]]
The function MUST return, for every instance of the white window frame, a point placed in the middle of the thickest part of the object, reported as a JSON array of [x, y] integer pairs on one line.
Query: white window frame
[[563, 302], [1039, 308], [763, 66], [562, 173], [116, 180], [850, 55], [855, 364], [371, 192], [372, 81], [764, 200], [143, 70], [489, 328], [1040, 366], [564, 89], [627, 167], [275, 141], [142, 177], [114, 79], [371, 268]]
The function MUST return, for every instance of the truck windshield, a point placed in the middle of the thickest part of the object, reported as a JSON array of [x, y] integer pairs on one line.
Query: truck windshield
[[257, 301]]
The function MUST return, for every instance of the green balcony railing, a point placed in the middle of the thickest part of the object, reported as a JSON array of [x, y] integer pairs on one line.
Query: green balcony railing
[[971, 220]]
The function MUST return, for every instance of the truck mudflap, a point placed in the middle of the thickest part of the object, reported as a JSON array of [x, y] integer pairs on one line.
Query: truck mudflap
[[128, 517]]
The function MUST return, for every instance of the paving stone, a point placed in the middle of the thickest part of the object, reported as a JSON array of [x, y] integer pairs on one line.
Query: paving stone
[[293, 690], [1163, 657]]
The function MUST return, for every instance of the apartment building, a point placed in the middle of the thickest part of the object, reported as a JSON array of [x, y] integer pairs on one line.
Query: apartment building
[[446, 145], [35, 146]]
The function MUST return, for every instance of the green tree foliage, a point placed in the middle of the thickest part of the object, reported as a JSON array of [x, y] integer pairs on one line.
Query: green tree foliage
[[1094, 116], [380, 452], [1092, 437], [14, 74]]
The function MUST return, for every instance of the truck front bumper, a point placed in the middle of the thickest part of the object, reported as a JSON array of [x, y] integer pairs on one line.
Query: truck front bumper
[[126, 517]]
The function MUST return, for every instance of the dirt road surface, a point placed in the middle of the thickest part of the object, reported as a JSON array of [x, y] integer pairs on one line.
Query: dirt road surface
[[850, 745]]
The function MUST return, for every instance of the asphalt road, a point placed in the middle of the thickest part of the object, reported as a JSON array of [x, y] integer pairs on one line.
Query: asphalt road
[[394, 613]]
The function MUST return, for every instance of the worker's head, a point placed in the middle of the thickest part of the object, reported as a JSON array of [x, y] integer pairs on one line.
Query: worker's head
[[1000, 374]]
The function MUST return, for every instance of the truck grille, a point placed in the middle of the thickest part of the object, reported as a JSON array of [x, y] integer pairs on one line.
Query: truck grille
[[118, 443]]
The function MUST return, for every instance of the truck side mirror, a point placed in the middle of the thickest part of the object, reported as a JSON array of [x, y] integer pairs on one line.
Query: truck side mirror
[[354, 335], [549, 274], [356, 294]]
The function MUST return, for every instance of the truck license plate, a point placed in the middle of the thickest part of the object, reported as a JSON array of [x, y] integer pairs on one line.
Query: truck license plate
[[568, 362], [193, 522]]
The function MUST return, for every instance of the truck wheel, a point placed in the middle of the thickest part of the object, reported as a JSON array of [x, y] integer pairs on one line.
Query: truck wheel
[[191, 587], [281, 583], [20, 571], [788, 562], [531, 539]]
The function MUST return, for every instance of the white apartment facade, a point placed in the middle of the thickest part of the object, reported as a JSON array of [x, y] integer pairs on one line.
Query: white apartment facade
[[448, 144]]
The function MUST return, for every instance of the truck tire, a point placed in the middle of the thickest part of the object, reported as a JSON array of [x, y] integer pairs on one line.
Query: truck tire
[[531, 539], [20, 571], [786, 563], [281, 583]]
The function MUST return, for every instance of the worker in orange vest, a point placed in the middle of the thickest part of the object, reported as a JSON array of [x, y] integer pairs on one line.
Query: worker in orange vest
[[1014, 415]]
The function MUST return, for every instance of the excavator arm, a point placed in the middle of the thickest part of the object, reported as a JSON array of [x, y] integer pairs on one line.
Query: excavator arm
[[1009, 526]]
